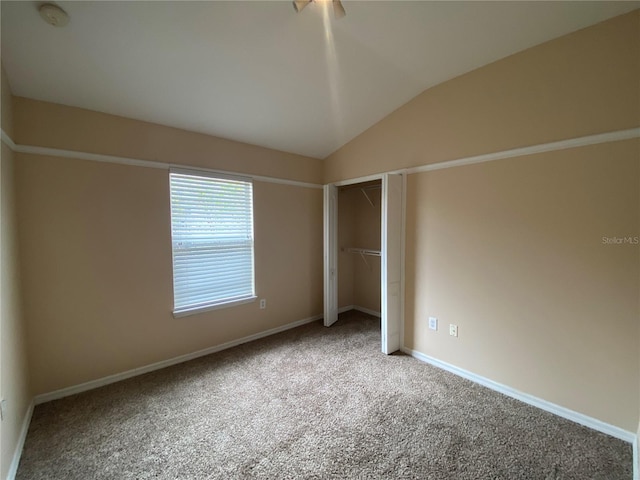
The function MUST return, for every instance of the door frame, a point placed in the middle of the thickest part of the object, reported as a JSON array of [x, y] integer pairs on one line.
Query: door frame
[[330, 212], [331, 250]]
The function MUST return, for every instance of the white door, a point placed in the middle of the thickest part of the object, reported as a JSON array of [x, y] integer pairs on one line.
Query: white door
[[391, 278], [330, 255]]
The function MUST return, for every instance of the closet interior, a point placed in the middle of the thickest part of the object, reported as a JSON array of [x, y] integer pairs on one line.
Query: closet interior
[[359, 243]]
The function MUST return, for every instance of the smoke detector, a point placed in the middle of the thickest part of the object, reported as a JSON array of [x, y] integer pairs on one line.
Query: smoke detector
[[53, 15]]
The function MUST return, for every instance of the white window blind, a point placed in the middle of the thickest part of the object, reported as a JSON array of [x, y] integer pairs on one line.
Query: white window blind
[[212, 238]]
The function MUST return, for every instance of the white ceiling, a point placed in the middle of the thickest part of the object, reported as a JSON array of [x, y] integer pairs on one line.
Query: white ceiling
[[258, 72]]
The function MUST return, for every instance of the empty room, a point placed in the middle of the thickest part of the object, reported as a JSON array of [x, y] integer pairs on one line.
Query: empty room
[[320, 239]]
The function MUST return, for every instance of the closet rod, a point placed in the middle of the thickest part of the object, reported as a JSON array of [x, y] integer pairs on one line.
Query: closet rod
[[364, 251]]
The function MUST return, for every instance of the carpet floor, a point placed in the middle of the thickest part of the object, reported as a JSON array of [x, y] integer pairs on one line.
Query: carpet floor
[[311, 403]]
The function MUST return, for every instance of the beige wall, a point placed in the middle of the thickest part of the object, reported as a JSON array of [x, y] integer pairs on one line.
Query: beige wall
[[346, 239], [95, 238], [366, 288], [580, 84], [511, 252], [51, 125], [14, 381], [96, 247], [359, 227]]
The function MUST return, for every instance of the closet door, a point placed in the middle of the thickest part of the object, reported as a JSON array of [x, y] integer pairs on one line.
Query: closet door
[[330, 255], [391, 278]]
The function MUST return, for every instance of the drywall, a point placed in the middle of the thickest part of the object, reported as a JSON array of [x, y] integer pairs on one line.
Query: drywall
[[366, 289], [512, 250], [580, 84], [346, 240], [50, 125], [96, 249], [521, 255], [14, 380], [358, 227]]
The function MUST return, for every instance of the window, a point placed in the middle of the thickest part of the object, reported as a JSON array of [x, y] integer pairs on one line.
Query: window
[[212, 241]]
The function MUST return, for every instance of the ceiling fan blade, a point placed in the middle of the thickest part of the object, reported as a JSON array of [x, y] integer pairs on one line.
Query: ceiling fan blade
[[298, 5], [338, 9]]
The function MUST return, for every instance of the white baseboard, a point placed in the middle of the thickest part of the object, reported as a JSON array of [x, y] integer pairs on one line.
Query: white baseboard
[[100, 382], [367, 311], [15, 460], [563, 412], [360, 309], [345, 309]]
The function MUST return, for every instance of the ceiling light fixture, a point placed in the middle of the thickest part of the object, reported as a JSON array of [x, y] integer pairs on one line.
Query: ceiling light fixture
[[338, 9], [53, 15]]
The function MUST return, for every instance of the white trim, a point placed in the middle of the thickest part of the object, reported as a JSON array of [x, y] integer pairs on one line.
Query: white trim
[[100, 382], [368, 311], [351, 181], [563, 412], [345, 309], [96, 157], [7, 139], [330, 262], [17, 453], [188, 311], [281, 181], [209, 174], [359, 309], [636, 458], [614, 136], [403, 240], [532, 149]]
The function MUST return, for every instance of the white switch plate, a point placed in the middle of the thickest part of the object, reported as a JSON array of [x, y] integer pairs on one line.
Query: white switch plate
[[263, 303], [453, 330], [3, 408], [433, 323]]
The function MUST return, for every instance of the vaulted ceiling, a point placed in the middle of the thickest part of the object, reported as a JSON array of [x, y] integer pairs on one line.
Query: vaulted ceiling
[[258, 72]]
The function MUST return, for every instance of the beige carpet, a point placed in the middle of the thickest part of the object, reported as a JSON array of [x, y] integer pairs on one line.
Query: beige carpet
[[311, 403]]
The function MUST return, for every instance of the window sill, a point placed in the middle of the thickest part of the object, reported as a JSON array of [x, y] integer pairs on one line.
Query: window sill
[[185, 312]]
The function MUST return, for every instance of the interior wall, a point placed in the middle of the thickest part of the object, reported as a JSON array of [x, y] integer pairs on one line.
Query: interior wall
[[580, 84], [515, 253], [96, 246], [45, 124], [99, 287], [367, 235], [14, 378], [512, 250], [358, 227], [346, 240]]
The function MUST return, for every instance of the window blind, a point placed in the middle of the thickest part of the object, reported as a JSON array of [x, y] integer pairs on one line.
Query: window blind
[[212, 240]]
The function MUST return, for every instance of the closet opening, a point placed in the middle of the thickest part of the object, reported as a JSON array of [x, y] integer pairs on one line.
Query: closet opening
[[363, 252], [359, 247]]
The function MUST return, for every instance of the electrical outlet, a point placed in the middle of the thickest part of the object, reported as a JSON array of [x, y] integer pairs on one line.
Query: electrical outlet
[[433, 323], [453, 330], [3, 408], [263, 303]]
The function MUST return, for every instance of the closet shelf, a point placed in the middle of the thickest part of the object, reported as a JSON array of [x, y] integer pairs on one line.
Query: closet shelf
[[371, 187]]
